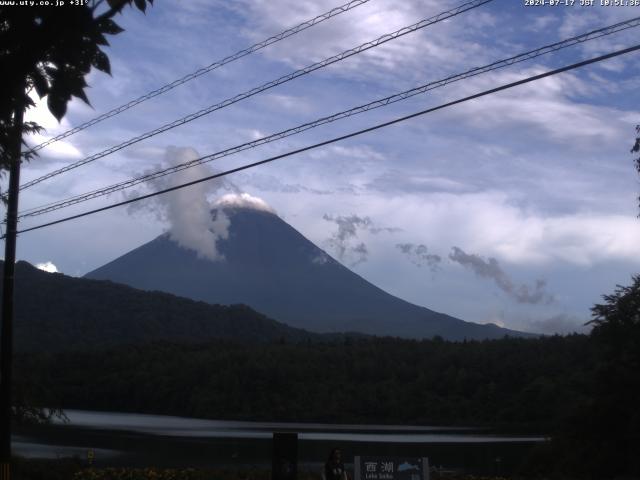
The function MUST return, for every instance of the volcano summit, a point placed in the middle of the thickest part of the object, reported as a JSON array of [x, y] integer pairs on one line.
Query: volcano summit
[[268, 265]]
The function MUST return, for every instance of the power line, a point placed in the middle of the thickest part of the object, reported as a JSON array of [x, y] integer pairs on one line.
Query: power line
[[343, 137], [273, 83], [40, 210], [219, 63]]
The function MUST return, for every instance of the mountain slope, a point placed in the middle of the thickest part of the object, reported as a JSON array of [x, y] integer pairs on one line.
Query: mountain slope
[[54, 312], [273, 268]]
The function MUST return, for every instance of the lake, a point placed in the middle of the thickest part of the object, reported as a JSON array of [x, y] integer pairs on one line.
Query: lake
[[156, 440]]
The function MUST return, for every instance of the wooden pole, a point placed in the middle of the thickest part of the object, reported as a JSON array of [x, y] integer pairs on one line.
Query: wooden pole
[[6, 330]]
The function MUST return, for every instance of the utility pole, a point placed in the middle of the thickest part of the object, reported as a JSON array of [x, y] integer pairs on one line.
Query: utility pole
[[6, 331]]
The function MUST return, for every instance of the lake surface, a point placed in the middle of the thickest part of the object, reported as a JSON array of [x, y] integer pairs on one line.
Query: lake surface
[[144, 440]]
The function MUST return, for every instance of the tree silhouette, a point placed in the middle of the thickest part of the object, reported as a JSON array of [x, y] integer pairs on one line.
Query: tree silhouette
[[601, 437], [617, 390], [50, 50], [636, 161]]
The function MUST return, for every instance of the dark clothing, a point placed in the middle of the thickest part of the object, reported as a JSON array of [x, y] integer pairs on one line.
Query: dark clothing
[[334, 471]]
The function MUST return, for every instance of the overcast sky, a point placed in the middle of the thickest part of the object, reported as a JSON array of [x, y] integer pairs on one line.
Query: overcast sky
[[518, 208]]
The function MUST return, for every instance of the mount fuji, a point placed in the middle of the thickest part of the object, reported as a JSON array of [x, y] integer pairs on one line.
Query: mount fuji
[[271, 267]]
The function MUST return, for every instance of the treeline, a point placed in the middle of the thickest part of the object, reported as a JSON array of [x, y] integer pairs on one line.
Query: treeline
[[583, 390], [55, 312], [510, 383]]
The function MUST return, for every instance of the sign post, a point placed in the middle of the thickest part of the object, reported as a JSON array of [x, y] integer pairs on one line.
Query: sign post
[[391, 468], [285, 456]]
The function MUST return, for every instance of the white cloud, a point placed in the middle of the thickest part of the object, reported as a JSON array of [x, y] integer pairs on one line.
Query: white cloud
[[361, 152], [47, 267], [491, 223], [243, 200], [538, 177], [62, 149], [546, 108], [395, 181], [289, 103], [424, 51], [187, 210], [255, 134], [542, 23], [574, 24]]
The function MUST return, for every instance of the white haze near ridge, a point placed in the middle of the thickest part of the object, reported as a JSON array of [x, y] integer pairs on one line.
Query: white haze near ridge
[[47, 267], [243, 200]]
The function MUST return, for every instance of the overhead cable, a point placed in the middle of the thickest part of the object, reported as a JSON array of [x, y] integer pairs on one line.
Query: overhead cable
[[343, 137], [35, 211], [215, 65], [273, 83]]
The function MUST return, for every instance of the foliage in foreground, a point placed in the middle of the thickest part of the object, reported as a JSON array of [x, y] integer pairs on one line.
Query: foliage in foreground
[[601, 438], [179, 474], [214, 474], [45, 469], [72, 469], [50, 51], [585, 390], [509, 383]]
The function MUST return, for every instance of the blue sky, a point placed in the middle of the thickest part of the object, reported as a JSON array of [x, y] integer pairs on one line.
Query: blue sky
[[518, 208]]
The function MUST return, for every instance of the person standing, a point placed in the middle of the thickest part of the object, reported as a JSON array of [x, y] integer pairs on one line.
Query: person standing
[[334, 468]]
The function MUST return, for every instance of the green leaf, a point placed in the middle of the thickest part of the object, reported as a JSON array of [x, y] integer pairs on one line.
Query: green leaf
[[109, 27], [101, 40], [26, 99], [117, 4], [57, 104], [141, 4], [82, 96], [40, 83], [101, 62], [73, 83], [32, 127]]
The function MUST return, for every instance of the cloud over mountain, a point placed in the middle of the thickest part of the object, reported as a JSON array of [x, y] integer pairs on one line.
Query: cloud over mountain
[[187, 211], [419, 255], [343, 242], [491, 269]]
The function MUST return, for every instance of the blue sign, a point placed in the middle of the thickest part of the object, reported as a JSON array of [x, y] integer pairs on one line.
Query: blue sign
[[391, 468]]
